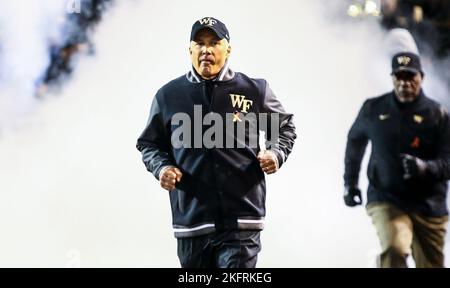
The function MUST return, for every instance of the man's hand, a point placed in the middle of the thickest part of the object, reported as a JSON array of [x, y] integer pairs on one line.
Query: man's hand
[[352, 196], [413, 167], [169, 176], [268, 161]]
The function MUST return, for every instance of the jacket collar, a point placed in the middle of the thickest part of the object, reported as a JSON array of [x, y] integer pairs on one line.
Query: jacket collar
[[224, 75], [415, 104]]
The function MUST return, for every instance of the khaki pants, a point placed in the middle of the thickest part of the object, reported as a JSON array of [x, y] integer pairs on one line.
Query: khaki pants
[[402, 234]]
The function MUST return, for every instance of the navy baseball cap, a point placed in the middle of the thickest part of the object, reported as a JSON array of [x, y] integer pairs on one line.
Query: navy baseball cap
[[406, 61], [213, 24]]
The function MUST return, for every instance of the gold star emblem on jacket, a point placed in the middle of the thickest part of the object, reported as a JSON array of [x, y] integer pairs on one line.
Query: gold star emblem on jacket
[[383, 116], [418, 119]]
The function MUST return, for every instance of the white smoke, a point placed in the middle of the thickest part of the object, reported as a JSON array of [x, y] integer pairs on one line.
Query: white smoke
[[25, 29], [73, 190], [400, 40]]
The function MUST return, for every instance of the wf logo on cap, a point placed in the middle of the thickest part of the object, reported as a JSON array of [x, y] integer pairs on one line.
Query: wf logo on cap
[[403, 60], [210, 23], [406, 61], [207, 21]]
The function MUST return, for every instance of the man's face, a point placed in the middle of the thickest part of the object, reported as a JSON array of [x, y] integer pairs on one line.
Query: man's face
[[407, 85], [208, 53]]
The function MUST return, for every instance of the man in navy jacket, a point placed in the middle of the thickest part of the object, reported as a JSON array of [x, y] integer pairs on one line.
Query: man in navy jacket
[[201, 143], [408, 169]]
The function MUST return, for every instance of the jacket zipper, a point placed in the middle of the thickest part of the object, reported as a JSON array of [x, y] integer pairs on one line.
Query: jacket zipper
[[222, 208]]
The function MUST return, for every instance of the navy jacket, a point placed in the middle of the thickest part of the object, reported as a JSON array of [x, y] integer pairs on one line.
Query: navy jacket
[[221, 188], [421, 129]]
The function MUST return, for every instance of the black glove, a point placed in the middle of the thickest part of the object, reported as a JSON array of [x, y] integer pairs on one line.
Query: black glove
[[352, 196], [413, 167]]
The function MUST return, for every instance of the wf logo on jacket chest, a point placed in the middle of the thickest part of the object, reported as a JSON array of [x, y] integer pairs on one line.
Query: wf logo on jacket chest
[[239, 101]]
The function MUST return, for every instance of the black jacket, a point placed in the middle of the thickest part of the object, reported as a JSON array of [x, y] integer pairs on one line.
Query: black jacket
[[420, 129], [221, 188]]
